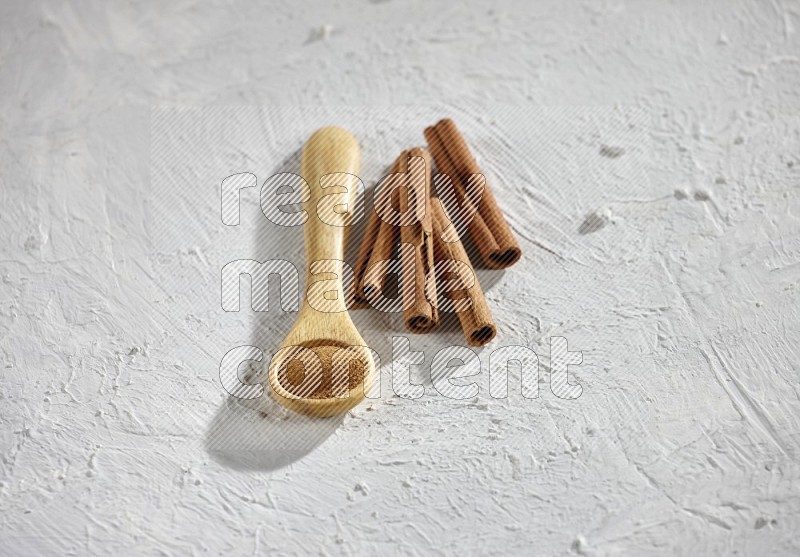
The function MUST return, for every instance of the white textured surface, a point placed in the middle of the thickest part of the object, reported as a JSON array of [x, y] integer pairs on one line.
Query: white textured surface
[[686, 439]]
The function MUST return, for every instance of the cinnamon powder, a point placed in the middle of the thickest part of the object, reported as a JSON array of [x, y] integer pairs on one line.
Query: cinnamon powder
[[292, 374]]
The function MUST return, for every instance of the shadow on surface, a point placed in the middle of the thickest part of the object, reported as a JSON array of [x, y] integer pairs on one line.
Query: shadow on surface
[[260, 434]]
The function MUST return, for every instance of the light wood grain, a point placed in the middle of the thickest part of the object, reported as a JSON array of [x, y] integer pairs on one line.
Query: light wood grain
[[323, 316]]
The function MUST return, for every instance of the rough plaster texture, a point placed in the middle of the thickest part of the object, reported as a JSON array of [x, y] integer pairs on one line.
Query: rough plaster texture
[[668, 251]]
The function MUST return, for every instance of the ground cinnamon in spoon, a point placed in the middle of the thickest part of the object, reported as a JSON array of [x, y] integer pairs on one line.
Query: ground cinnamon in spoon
[[292, 374]]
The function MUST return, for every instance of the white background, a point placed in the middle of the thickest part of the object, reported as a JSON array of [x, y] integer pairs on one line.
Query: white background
[[116, 435]]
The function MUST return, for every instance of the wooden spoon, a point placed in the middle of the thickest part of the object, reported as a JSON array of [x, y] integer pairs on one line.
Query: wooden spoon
[[324, 366]]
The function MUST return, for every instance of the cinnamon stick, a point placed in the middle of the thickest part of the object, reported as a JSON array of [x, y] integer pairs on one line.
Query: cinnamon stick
[[469, 301], [492, 236], [420, 311], [382, 248], [359, 299], [477, 228]]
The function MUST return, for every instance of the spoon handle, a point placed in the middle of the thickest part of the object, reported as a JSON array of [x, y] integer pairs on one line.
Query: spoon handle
[[330, 167]]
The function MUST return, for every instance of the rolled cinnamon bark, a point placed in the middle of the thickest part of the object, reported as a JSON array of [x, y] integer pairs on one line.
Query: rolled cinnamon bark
[[378, 244], [359, 299], [420, 312], [477, 228], [471, 308], [383, 246], [493, 237]]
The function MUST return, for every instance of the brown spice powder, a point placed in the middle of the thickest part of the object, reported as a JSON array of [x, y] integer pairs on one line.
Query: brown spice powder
[[292, 374]]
